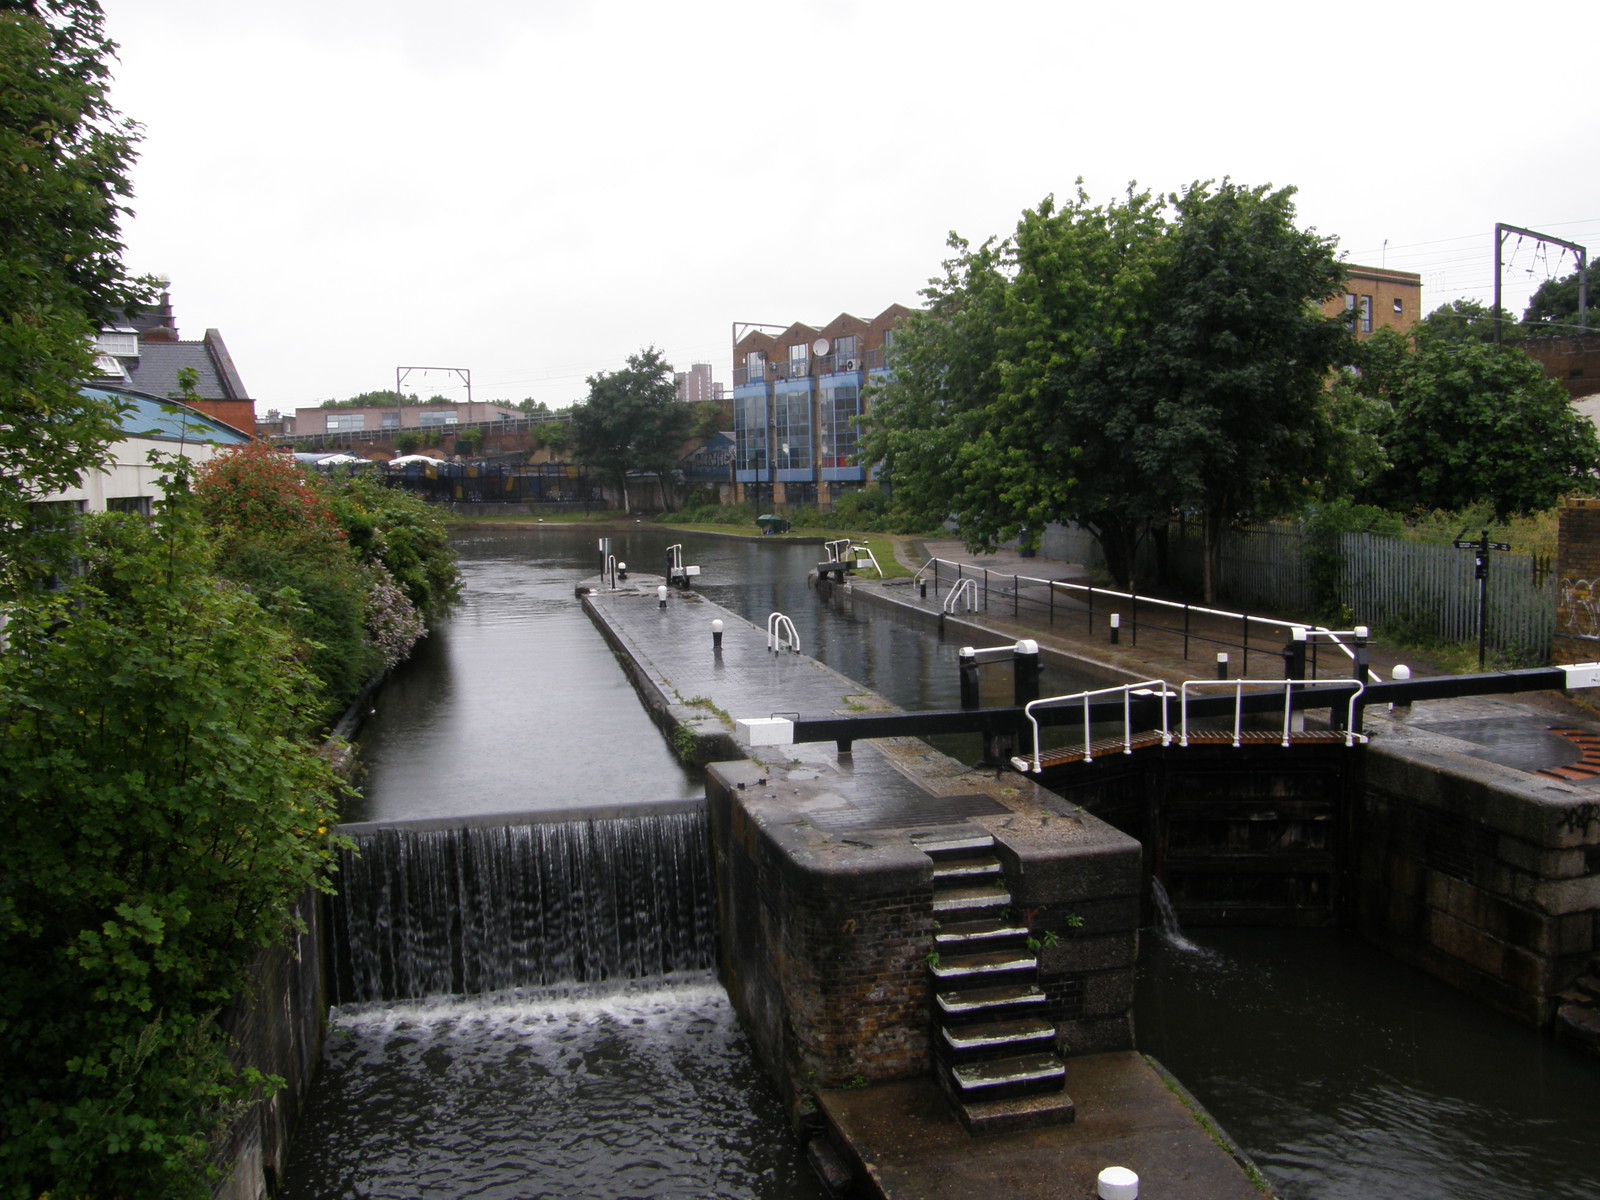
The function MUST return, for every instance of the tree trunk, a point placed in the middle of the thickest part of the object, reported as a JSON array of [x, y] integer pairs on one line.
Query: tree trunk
[[1211, 558]]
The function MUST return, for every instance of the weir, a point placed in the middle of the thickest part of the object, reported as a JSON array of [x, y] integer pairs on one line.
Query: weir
[[437, 908]]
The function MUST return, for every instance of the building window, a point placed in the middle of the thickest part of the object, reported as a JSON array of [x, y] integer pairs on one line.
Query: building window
[[755, 366], [797, 360], [122, 343], [129, 504], [432, 419], [791, 430], [346, 422], [1366, 314], [840, 407], [750, 433], [389, 420], [844, 354], [1399, 306]]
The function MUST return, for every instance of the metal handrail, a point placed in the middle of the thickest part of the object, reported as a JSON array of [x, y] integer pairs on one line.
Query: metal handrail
[[781, 634], [1258, 686], [964, 587], [1150, 687], [858, 552], [1332, 636]]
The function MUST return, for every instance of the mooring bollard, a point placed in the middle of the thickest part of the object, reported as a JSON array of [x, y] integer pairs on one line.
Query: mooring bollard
[[716, 636], [622, 570], [1222, 664], [1400, 674], [967, 664], [661, 595], [1116, 628], [1025, 672]]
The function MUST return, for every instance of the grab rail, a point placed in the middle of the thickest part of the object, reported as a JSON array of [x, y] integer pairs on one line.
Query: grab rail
[[781, 634], [964, 587]]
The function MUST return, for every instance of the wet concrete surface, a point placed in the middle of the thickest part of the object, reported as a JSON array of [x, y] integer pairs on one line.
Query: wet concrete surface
[[1515, 732], [1128, 1116]]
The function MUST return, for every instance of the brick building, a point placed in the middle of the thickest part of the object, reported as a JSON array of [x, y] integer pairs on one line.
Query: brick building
[[1377, 299], [143, 353], [796, 395]]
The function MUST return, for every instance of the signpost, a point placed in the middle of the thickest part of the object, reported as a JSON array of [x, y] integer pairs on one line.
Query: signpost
[[1480, 572]]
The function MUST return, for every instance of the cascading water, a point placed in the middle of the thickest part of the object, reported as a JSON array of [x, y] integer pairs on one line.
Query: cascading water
[[488, 908], [1167, 920]]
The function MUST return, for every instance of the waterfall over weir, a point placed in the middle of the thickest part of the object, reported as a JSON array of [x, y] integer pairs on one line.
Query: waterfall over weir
[[428, 909]]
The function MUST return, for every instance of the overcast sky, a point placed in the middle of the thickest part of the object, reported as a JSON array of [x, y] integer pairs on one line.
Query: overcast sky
[[534, 189]]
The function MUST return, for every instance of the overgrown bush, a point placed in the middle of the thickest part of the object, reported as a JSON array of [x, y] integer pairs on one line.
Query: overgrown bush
[[162, 808]]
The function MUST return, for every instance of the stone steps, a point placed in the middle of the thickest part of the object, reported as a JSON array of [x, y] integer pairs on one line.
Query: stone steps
[[994, 1049], [987, 932], [1013, 1037], [982, 967]]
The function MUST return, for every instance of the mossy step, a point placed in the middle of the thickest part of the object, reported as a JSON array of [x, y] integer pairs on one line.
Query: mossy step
[[947, 843], [945, 870], [1030, 1069], [992, 962], [993, 1035], [970, 933], [967, 1001], [980, 896]]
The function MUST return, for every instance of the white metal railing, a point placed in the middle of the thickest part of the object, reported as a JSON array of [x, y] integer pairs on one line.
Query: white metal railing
[[1159, 688], [965, 588], [781, 634], [865, 552], [1260, 686], [1150, 687], [837, 549]]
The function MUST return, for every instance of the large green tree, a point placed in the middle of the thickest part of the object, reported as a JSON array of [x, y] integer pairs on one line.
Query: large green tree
[[632, 421], [64, 161], [1109, 365], [1469, 422], [1239, 357]]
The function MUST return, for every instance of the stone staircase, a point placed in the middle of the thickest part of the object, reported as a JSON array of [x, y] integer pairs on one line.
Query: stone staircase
[[994, 1048]]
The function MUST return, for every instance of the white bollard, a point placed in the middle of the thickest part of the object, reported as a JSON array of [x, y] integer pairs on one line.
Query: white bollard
[[1118, 1183]]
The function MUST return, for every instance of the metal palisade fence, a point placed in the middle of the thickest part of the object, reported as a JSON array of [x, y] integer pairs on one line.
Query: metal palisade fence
[[1384, 582]]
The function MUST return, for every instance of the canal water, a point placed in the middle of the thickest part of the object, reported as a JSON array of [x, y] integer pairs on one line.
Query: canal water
[[1341, 1072]]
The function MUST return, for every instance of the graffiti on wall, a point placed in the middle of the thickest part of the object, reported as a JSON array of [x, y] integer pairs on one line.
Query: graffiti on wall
[[1576, 611]]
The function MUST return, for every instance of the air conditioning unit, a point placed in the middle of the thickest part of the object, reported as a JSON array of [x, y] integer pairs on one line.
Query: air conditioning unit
[[849, 364]]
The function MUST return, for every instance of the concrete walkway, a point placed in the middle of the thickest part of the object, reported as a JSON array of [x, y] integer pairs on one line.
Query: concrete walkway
[[905, 1140], [1513, 732]]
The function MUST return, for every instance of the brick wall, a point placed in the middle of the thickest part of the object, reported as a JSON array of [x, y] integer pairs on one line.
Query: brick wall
[[1577, 635], [824, 948]]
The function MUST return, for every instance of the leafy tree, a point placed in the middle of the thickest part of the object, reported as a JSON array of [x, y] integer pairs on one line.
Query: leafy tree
[[1471, 422], [64, 161], [1238, 358], [1553, 309], [162, 808], [632, 421], [532, 407], [1462, 321], [1106, 366], [389, 398]]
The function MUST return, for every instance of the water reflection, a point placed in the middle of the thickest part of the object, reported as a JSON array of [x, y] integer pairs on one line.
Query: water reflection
[[1347, 1075]]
